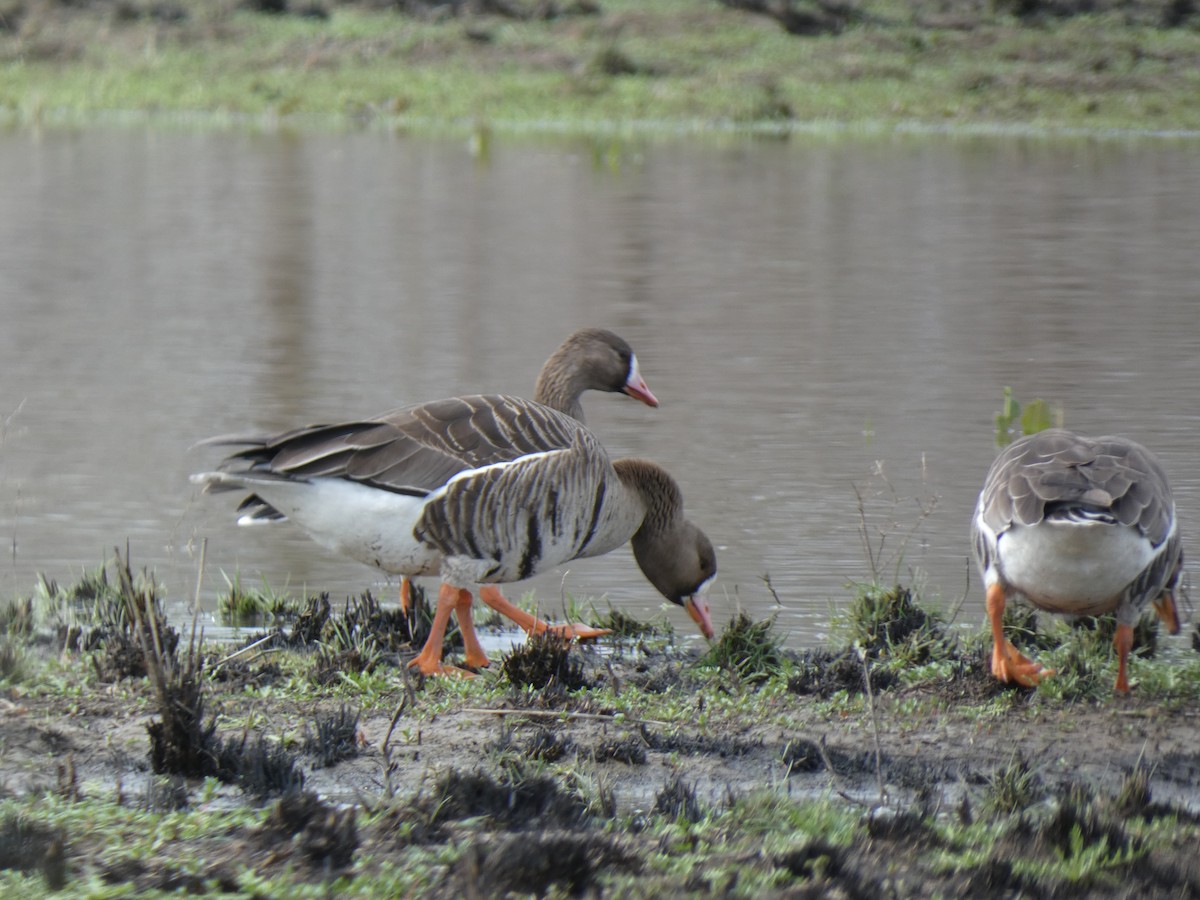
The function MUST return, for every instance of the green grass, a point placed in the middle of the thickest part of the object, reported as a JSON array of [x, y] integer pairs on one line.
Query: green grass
[[241, 605], [658, 64], [749, 650]]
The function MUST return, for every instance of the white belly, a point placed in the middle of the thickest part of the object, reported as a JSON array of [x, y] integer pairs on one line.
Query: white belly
[[370, 525], [1073, 568]]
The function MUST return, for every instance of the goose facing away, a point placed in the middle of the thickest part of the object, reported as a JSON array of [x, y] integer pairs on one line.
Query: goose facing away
[[1078, 526], [479, 490]]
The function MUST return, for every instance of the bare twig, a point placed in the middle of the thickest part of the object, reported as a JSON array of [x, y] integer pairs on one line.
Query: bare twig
[[770, 587], [876, 558], [200, 574], [833, 774], [5, 424], [143, 627], [409, 699], [865, 533], [962, 601], [236, 653], [862, 655], [7, 421]]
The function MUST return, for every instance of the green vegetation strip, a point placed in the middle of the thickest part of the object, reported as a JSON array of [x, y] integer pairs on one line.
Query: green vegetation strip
[[613, 65]]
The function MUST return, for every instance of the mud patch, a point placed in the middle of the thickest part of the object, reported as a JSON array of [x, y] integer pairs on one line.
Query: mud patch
[[823, 673], [29, 847], [701, 745], [513, 789], [324, 835], [505, 803], [537, 863]]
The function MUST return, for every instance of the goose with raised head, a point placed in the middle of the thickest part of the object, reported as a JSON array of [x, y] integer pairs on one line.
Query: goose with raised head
[[480, 490], [590, 359], [1078, 526]]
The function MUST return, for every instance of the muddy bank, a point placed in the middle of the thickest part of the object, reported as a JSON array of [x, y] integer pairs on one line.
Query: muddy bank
[[626, 768]]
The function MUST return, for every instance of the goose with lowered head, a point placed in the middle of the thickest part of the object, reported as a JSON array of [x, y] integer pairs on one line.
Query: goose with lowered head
[[480, 490]]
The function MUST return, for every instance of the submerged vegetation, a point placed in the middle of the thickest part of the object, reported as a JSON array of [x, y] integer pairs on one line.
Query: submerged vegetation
[[610, 64], [889, 762]]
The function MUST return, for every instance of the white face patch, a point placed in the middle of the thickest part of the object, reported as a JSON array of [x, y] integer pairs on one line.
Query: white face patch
[[704, 586], [635, 386]]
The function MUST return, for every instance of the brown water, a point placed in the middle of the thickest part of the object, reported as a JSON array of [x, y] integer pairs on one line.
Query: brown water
[[802, 309]]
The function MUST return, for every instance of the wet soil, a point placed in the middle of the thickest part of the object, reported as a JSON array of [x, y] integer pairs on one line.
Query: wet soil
[[461, 778]]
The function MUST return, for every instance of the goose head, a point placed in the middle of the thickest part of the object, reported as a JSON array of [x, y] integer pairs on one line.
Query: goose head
[[681, 563], [591, 359]]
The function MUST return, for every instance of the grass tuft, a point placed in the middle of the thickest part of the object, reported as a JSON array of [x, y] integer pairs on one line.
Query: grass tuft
[[677, 801], [513, 799], [13, 661], [17, 618], [1013, 788], [334, 738], [326, 836], [557, 864], [242, 606], [624, 626], [889, 623], [29, 847], [750, 650], [165, 794], [544, 660]]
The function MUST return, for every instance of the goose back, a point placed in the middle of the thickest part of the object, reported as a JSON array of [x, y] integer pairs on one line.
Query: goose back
[[414, 450], [508, 487], [1125, 549], [507, 521], [1055, 469], [374, 451]]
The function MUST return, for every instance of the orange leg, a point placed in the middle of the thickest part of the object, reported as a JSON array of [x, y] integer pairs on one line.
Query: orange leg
[[429, 660], [1168, 612], [490, 594], [1008, 663], [405, 595], [474, 652], [1123, 642]]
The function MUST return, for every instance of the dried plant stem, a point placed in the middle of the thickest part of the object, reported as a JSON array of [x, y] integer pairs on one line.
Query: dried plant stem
[[236, 653], [200, 573], [862, 655]]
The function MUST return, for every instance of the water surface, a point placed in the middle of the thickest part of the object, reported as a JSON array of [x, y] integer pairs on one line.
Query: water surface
[[811, 313]]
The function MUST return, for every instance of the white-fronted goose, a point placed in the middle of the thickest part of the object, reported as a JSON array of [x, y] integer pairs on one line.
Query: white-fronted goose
[[479, 490], [590, 359], [1078, 526]]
